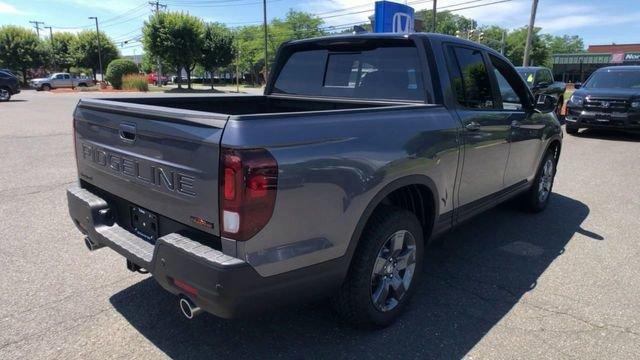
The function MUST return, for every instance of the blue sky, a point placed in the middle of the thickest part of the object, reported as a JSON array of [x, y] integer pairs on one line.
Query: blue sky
[[598, 22]]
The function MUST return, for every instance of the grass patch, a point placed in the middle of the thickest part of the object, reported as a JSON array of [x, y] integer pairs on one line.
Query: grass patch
[[135, 82]]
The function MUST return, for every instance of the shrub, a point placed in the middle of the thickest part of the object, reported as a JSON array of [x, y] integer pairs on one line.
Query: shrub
[[135, 82], [117, 69]]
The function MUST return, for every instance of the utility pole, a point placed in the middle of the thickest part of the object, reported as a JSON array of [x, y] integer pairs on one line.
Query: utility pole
[[532, 21], [266, 51], [36, 24], [157, 6], [504, 33], [53, 50], [435, 19], [99, 47]]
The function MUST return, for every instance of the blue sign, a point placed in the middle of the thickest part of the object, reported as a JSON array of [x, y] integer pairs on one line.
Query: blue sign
[[393, 17]]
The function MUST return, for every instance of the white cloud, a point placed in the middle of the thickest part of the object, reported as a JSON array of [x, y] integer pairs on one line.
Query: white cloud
[[9, 9]]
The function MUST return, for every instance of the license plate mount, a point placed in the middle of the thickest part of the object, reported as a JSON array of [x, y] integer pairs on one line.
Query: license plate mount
[[144, 223]]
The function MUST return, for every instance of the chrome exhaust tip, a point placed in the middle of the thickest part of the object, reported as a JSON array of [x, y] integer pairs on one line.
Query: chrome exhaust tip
[[92, 245], [188, 308]]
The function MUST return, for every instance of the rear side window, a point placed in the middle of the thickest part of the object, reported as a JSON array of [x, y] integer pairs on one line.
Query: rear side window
[[470, 78], [391, 72]]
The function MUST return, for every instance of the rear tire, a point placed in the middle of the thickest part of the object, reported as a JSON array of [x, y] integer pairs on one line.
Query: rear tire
[[385, 269], [537, 197]]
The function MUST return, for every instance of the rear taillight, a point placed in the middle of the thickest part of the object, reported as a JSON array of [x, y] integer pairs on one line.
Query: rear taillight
[[248, 186]]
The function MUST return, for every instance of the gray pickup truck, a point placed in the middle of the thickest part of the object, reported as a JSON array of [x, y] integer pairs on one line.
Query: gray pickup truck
[[332, 183]]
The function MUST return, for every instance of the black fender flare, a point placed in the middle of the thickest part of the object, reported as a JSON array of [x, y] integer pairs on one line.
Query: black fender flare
[[377, 199]]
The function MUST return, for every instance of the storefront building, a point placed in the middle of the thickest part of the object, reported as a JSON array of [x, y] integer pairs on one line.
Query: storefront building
[[577, 67]]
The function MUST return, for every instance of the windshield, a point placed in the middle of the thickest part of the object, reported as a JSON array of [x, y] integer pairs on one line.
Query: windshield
[[385, 72], [528, 75], [614, 79]]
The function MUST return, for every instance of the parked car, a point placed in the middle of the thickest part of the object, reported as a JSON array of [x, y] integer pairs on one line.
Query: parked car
[[362, 150], [59, 80], [610, 98], [152, 78], [9, 85], [540, 81]]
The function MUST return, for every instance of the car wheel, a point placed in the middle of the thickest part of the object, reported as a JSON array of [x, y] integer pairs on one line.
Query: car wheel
[[572, 130], [385, 269], [46, 87], [5, 94], [537, 197]]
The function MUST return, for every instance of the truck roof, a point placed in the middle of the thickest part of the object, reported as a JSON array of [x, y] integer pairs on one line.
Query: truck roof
[[388, 36]]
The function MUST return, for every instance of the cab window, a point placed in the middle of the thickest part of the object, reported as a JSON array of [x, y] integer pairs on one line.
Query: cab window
[[470, 78], [510, 85]]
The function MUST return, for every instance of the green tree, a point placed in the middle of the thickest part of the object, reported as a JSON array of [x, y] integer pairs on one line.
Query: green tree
[[492, 37], [250, 50], [85, 50], [149, 64], [62, 56], [296, 25], [565, 44], [217, 48], [119, 68], [446, 22], [20, 49], [515, 47], [174, 37]]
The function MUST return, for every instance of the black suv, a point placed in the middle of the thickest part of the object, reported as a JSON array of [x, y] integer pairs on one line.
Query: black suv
[[540, 81], [9, 85], [610, 98]]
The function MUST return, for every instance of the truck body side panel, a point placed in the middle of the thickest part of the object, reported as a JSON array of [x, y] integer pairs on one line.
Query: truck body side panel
[[328, 176]]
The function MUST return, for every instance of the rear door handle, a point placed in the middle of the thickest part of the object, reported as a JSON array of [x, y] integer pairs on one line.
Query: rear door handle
[[127, 132], [473, 126]]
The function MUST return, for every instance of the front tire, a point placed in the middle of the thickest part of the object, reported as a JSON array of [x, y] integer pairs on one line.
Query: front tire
[[537, 197], [385, 269], [5, 94], [45, 87]]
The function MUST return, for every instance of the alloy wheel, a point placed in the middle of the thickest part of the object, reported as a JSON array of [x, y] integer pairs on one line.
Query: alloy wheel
[[546, 180], [393, 270]]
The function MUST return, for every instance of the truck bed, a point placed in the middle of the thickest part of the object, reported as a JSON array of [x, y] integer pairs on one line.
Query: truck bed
[[237, 105]]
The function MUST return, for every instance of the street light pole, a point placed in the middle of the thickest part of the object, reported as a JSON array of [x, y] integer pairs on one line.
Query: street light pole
[[532, 21], [99, 47]]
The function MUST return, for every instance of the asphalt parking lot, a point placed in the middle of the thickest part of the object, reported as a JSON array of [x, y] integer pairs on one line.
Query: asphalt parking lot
[[561, 284]]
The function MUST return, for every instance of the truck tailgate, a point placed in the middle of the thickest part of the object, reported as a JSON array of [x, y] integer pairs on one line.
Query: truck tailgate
[[164, 160]]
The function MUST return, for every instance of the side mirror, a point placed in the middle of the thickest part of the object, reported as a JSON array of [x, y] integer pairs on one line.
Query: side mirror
[[577, 85], [545, 103]]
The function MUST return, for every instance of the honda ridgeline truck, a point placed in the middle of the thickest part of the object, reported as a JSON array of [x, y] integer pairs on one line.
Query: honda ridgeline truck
[[361, 150]]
